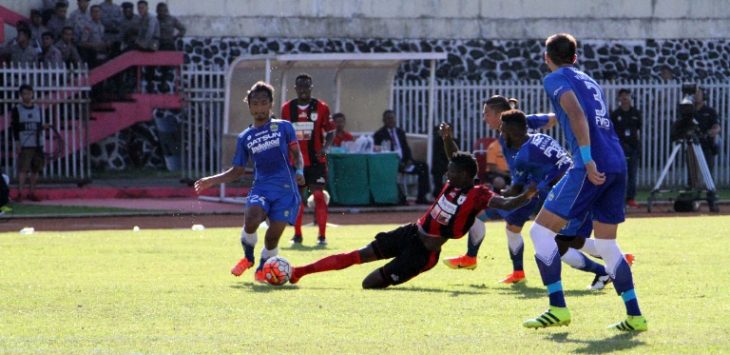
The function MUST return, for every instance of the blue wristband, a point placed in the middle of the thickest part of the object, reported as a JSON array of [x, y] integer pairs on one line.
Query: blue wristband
[[585, 154], [300, 172]]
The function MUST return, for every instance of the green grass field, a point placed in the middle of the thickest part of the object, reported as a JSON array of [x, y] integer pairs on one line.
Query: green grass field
[[163, 291]]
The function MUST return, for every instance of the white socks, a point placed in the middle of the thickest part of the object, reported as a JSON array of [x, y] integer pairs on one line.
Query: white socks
[[266, 253], [590, 247], [610, 253], [477, 232], [544, 241], [249, 239], [514, 241], [573, 258]]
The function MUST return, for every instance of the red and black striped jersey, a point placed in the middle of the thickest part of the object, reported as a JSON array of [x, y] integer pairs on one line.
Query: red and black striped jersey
[[454, 211], [311, 123]]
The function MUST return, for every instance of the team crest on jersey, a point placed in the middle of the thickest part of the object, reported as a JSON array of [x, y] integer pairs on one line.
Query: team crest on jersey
[[248, 138], [314, 116], [274, 127], [461, 199]]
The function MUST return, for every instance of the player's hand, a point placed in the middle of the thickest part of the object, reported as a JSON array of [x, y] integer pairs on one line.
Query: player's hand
[[594, 176], [446, 131], [531, 190], [300, 180], [202, 185]]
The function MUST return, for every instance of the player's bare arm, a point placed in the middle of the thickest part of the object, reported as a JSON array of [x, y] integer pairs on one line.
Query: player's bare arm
[[579, 126], [510, 203], [512, 190], [296, 153], [328, 138], [447, 135], [232, 174]]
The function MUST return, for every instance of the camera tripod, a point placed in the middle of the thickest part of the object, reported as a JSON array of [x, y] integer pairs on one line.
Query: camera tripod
[[699, 176]]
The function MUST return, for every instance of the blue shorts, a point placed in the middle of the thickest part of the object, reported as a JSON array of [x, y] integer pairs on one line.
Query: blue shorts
[[578, 227], [279, 205], [518, 217], [574, 197]]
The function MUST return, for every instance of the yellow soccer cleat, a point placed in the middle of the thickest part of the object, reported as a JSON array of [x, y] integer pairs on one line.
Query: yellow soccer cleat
[[631, 324], [553, 317]]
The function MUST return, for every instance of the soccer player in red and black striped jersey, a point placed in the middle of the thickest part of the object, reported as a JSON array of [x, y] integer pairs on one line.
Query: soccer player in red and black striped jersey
[[415, 247], [315, 131]]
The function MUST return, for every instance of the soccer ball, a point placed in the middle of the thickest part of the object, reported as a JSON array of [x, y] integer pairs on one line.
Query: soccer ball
[[310, 199], [277, 270]]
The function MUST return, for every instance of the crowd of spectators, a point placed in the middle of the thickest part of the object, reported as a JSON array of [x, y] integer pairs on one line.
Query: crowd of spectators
[[91, 33]]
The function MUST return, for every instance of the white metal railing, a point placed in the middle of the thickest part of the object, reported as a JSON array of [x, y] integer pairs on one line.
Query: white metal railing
[[63, 94], [460, 103], [202, 129]]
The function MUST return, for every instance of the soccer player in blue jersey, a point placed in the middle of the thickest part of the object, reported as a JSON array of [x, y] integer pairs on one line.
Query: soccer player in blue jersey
[[269, 143], [594, 186]]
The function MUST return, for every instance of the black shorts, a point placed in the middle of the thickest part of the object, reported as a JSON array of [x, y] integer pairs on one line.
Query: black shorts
[[316, 174], [411, 257]]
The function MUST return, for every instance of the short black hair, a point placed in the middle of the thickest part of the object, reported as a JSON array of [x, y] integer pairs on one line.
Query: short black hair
[[67, 28], [388, 111], [25, 87], [338, 115], [34, 12], [260, 86], [127, 5], [47, 34], [624, 91], [95, 7], [61, 5], [303, 76], [140, 2], [24, 31], [501, 103], [514, 118], [464, 161], [561, 48]]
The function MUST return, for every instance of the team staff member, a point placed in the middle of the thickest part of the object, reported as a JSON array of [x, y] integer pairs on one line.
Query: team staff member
[[28, 126], [627, 123], [315, 131], [415, 247]]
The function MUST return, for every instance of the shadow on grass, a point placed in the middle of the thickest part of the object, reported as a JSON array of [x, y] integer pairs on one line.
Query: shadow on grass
[[301, 247], [454, 293], [260, 287], [618, 342], [529, 292]]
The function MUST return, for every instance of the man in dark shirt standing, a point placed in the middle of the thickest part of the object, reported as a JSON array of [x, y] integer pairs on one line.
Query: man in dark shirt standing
[[27, 123], [627, 123], [709, 126]]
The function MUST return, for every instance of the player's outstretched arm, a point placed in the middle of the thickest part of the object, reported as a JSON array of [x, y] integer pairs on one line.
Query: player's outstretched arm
[[510, 203], [543, 121], [447, 135], [232, 174]]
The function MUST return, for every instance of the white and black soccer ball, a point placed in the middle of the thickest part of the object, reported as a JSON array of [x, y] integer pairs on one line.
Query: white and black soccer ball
[[277, 270]]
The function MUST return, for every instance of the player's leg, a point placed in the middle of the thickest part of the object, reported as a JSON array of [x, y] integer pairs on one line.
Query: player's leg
[[608, 213], [320, 213], [412, 260], [335, 262], [254, 213], [577, 260], [569, 198], [473, 243], [298, 236], [516, 248]]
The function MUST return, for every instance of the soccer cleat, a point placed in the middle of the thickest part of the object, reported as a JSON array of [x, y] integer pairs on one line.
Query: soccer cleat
[[599, 282], [462, 262], [514, 278], [294, 278], [296, 240], [242, 266], [632, 203], [629, 258], [259, 276], [631, 324], [553, 317], [321, 241]]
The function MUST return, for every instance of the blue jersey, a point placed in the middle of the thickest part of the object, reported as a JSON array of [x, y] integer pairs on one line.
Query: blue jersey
[[268, 147], [540, 160], [605, 147]]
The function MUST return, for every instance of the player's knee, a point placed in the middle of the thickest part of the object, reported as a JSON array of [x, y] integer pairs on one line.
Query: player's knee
[[563, 243]]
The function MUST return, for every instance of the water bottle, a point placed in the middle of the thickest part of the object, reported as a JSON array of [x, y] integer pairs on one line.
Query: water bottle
[[198, 227], [27, 230]]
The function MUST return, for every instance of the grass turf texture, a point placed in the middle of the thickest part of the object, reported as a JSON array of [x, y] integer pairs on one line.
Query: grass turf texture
[[20, 209], [171, 291]]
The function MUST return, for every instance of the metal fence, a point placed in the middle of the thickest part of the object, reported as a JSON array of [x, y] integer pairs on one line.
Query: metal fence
[[63, 94], [204, 88], [460, 103]]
